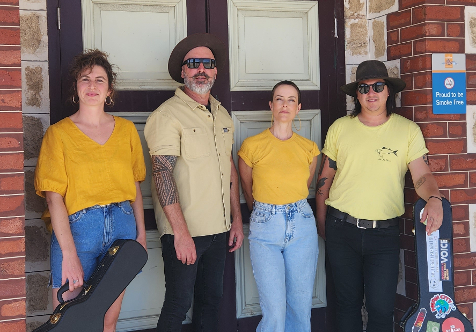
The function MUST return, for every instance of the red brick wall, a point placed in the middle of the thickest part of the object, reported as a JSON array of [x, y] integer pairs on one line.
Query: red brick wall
[[418, 29], [12, 210]]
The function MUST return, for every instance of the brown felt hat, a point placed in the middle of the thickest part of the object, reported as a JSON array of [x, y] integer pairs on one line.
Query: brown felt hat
[[372, 69], [217, 47]]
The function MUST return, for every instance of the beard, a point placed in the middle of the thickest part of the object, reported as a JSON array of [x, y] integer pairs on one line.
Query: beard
[[199, 87]]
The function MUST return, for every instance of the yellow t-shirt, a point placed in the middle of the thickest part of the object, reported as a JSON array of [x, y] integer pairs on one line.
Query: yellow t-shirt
[[371, 165], [280, 168], [86, 173]]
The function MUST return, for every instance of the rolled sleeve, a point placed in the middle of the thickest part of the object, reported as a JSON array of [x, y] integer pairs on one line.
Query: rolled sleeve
[[162, 134], [50, 173]]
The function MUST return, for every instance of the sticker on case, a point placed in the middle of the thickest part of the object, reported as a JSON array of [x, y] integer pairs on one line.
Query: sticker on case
[[432, 326], [441, 305], [419, 320], [452, 324]]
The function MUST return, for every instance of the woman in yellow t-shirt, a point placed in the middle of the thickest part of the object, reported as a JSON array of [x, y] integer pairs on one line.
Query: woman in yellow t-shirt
[[276, 169], [89, 169]]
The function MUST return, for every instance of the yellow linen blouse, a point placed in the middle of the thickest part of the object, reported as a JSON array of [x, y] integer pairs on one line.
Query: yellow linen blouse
[[86, 173]]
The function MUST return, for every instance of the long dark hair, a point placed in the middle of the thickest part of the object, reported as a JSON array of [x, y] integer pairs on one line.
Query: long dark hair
[[390, 104]]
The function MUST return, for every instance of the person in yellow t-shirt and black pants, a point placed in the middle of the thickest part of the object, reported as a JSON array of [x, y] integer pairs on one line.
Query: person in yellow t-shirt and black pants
[[276, 168], [359, 197]]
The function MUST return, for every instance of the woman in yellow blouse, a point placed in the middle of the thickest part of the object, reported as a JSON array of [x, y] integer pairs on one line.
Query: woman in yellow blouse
[[89, 169], [276, 169]]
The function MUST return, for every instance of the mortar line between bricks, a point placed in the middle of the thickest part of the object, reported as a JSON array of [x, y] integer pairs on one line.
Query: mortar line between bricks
[[11, 152], [13, 257], [9, 195], [10, 217], [13, 298], [20, 278], [12, 320]]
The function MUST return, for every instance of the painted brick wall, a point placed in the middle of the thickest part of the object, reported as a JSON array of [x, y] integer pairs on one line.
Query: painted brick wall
[[416, 30], [12, 210]]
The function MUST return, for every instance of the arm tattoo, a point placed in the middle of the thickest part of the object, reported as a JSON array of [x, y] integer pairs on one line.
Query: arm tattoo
[[332, 164], [162, 170], [425, 159], [420, 182], [320, 184]]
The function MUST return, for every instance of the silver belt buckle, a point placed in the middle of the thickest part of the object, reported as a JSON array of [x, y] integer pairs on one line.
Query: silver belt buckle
[[358, 226]]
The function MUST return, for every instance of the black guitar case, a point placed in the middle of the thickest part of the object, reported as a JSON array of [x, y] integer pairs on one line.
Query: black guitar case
[[436, 310], [125, 258]]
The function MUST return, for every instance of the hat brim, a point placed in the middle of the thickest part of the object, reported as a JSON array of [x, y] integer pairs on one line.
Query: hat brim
[[351, 88], [217, 47]]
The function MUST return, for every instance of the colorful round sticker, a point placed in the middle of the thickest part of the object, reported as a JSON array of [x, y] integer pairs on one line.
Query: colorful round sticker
[[452, 325]]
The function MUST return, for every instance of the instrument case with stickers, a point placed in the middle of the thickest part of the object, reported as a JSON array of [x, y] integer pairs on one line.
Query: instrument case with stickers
[[435, 310], [123, 261]]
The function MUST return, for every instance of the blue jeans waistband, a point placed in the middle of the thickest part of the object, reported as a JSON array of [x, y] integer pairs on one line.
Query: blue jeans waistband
[[273, 208]]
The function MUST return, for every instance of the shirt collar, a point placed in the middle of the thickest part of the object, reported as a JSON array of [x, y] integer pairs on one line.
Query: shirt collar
[[193, 104]]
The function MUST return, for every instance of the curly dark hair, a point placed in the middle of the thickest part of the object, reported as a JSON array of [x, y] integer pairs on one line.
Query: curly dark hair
[[390, 104], [286, 83], [87, 60]]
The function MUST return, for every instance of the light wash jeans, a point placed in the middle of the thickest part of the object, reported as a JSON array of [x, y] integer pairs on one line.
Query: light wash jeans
[[284, 251]]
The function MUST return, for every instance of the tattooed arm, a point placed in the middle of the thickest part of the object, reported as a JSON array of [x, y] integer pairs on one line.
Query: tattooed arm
[[426, 186], [162, 170], [325, 178]]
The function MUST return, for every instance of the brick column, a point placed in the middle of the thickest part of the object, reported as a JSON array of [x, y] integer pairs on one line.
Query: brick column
[[418, 29], [12, 210]]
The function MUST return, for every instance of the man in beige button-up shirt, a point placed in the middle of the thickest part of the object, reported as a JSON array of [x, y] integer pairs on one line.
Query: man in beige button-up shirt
[[190, 137]]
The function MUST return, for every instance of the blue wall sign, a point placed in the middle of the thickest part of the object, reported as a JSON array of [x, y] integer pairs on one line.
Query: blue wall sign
[[449, 83]]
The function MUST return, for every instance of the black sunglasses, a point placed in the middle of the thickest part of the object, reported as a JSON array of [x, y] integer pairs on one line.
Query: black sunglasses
[[194, 63], [365, 88]]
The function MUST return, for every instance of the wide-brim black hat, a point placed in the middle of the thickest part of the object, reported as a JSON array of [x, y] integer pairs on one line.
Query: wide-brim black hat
[[371, 69], [217, 47]]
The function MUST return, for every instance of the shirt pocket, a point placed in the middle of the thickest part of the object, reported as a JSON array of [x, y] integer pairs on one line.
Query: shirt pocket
[[227, 139], [195, 143]]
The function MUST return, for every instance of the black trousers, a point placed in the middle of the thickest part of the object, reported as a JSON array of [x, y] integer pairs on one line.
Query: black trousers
[[363, 261], [202, 281]]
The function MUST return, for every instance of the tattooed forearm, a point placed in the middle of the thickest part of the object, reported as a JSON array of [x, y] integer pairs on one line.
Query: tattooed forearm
[[420, 181], [425, 159], [162, 170], [320, 184], [332, 164]]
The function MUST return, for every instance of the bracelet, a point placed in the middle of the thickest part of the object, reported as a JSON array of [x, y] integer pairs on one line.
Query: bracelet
[[441, 199]]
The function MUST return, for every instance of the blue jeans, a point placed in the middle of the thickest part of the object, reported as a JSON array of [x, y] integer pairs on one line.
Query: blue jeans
[[284, 251], [363, 261], [94, 229], [202, 281]]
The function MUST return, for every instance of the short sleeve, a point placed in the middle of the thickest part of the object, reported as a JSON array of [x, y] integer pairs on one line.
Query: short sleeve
[[315, 150], [162, 134], [330, 145], [245, 153], [50, 173], [416, 144], [138, 164]]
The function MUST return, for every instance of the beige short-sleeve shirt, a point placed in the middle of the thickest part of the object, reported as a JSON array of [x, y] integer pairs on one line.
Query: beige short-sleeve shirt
[[202, 141]]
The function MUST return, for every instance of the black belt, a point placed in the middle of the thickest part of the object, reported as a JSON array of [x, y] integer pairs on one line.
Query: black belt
[[362, 223]]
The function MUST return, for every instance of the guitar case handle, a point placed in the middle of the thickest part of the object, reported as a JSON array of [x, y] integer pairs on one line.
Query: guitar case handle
[[64, 289], [407, 314]]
